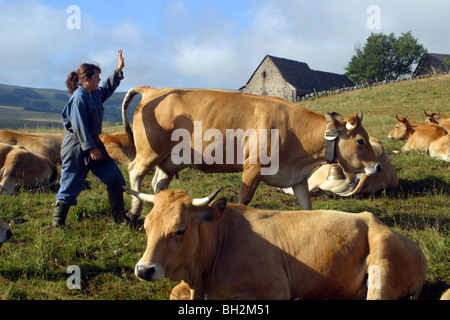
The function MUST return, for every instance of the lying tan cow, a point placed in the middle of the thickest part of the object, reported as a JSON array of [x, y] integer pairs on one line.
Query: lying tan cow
[[418, 137], [351, 184], [47, 145], [18, 166], [440, 148], [266, 138], [438, 119], [5, 233], [119, 146], [229, 251]]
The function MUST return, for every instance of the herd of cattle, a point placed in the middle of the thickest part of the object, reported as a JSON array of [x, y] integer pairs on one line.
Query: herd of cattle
[[231, 251]]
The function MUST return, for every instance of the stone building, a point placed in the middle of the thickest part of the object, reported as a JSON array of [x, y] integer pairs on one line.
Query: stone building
[[291, 79], [433, 64]]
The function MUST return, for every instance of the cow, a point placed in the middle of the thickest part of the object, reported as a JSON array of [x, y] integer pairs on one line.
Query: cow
[[5, 233], [119, 146], [438, 119], [231, 251], [349, 184], [47, 145], [290, 137], [440, 148], [19, 166], [418, 137]]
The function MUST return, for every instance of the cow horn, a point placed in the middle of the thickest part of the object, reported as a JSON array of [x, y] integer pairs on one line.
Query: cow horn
[[143, 196], [401, 120], [198, 202], [428, 115], [359, 187], [360, 116]]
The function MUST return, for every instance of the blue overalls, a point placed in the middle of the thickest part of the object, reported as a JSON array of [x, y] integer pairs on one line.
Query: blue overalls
[[82, 117]]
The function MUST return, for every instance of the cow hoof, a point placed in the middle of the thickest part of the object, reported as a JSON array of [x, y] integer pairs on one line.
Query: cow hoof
[[134, 221]]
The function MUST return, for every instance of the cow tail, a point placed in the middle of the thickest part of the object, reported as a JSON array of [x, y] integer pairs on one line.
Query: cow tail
[[125, 104]]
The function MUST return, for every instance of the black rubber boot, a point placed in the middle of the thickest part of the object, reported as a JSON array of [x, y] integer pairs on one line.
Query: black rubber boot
[[60, 213], [117, 205]]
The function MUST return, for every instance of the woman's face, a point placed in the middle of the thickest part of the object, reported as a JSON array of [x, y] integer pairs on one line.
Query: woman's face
[[91, 84]]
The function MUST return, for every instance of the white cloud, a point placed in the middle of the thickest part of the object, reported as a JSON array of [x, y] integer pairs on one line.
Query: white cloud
[[195, 44]]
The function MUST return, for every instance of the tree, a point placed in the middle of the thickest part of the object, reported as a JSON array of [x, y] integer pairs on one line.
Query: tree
[[384, 57]]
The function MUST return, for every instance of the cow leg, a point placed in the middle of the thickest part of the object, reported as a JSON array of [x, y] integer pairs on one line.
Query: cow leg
[[137, 171], [8, 185], [251, 177], [161, 180], [302, 194]]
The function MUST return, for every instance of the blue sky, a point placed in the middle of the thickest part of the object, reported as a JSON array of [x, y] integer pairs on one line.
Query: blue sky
[[198, 43]]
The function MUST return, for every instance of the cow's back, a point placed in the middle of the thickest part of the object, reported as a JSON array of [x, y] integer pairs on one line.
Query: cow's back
[[423, 136], [49, 147], [179, 108], [306, 251], [313, 254]]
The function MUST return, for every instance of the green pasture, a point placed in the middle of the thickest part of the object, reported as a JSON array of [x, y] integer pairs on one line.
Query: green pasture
[[33, 264]]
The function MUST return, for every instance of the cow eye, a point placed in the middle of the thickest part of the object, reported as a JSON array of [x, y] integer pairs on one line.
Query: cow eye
[[361, 142], [178, 233]]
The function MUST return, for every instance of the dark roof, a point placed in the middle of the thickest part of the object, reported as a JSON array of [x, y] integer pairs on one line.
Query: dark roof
[[301, 76], [436, 60]]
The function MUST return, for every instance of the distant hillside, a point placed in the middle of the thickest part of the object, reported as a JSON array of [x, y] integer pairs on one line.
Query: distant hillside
[[24, 106]]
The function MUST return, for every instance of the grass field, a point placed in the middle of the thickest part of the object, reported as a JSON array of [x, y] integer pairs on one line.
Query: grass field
[[34, 262]]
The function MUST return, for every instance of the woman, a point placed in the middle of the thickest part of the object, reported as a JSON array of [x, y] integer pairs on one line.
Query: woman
[[81, 150]]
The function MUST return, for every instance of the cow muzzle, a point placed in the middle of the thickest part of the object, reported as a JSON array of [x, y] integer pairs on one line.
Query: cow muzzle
[[373, 169], [149, 271]]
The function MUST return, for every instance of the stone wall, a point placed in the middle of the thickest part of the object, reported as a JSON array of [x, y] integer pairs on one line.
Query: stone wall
[[267, 80]]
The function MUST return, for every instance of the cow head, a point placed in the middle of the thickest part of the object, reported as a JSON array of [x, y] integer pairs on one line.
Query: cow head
[[401, 130], [353, 150], [5, 233], [172, 232], [433, 118]]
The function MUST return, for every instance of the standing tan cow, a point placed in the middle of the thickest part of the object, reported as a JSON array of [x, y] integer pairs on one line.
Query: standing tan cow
[[418, 137], [229, 251], [283, 142], [5, 233], [18, 166], [47, 145]]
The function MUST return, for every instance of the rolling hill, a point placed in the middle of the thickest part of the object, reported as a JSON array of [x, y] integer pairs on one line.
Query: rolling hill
[[35, 107]]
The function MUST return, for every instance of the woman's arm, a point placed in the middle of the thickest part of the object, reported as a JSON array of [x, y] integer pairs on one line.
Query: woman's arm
[[113, 81]]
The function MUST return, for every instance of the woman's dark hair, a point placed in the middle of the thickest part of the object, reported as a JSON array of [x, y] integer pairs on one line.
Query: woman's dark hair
[[75, 79]]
